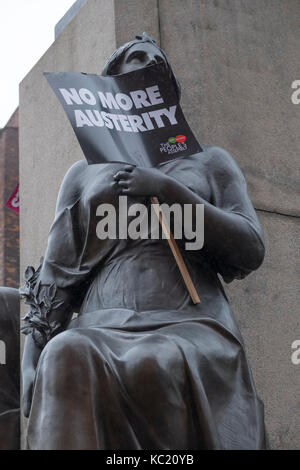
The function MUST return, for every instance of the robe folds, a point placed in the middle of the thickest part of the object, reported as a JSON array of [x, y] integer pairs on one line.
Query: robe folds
[[141, 366]]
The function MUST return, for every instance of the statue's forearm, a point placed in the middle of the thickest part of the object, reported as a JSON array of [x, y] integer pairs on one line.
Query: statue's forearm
[[227, 235], [31, 354]]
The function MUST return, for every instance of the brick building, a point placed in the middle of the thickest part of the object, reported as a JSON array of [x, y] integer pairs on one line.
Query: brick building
[[9, 220]]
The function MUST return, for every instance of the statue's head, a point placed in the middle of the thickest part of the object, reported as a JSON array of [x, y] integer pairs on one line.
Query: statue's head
[[140, 52]]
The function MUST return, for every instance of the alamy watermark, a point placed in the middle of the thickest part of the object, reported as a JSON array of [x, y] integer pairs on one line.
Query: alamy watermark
[[295, 97], [135, 222], [295, 357], [2, 352]]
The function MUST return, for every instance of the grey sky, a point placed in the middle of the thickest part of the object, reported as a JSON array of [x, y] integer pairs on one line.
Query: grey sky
[[26, 32]]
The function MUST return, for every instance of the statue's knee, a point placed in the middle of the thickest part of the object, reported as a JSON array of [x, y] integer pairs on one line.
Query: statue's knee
[[160, 361], [68, 347]]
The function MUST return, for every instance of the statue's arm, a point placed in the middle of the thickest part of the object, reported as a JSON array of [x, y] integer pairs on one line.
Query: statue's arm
[[232, 233], [48, 289], [40, 325], [49, 300]]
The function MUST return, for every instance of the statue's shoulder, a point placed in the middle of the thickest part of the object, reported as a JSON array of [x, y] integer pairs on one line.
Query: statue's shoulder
[[71, 185], [77, 169], [75, 174], [220, 163]]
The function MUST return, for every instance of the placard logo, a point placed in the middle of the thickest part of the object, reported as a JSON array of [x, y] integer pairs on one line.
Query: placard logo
[[178, 138], [174, 145]]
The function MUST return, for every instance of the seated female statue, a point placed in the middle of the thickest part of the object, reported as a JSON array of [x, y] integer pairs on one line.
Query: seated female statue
[[142, 367]]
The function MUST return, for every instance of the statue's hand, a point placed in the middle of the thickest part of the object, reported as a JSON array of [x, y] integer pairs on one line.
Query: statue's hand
[[28, 376], [137, 181]]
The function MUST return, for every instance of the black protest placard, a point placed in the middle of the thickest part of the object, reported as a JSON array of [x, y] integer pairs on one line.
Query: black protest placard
[[134, 117]]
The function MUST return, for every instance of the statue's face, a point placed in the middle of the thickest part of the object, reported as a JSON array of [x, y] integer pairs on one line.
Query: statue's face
[[139, 56]]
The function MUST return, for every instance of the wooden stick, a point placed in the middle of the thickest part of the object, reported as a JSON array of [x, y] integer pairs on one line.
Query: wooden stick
[[176, 252]]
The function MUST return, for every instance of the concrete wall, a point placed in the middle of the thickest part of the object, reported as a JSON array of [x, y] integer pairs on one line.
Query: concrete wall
[[68, 17], [236, 60]]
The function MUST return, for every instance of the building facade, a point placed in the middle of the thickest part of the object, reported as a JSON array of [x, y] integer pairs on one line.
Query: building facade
[[9, 220]]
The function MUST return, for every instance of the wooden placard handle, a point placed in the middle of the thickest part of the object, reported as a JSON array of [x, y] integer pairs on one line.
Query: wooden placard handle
[[176, 252]]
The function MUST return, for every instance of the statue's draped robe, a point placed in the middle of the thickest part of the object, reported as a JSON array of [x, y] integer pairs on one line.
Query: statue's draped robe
[[9, 370], [141, 367]]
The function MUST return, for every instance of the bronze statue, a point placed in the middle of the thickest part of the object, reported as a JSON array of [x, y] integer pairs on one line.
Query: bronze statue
[[142, 367]]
